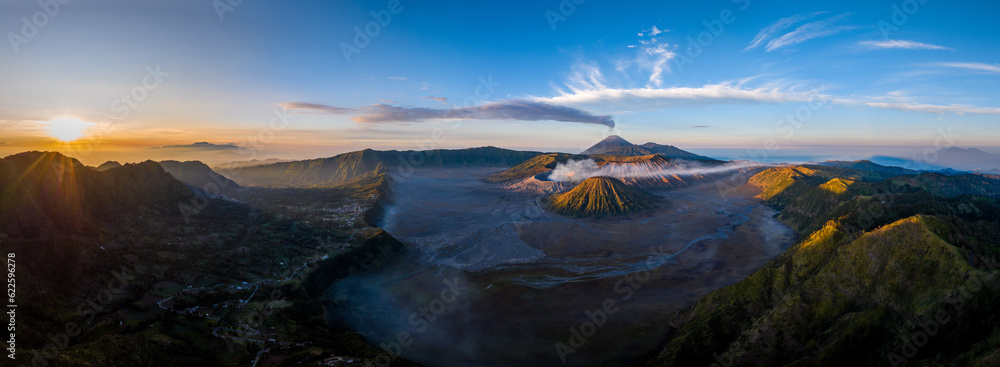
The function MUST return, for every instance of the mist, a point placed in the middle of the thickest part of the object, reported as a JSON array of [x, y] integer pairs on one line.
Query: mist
[[580, 170]]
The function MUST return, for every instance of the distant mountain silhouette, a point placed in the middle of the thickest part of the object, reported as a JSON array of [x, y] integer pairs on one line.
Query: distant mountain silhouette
[[963, 159], [250, 163], [108, 165], [615, 145], [47, 193], [200, 176]]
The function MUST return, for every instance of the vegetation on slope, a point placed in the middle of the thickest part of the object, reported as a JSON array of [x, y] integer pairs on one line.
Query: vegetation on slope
[[878, 260], [601, 197], [835, 300]]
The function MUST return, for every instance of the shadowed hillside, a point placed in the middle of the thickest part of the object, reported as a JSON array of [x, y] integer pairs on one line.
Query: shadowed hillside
[[108, 165], [200, 176], [601, 197], [47, 193], [326, 172]]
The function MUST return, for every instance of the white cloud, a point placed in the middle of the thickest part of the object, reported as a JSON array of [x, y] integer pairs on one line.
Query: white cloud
[[909, 45], [937, 109], [977, 66], [397, 77], [768, 32], [808, 31], [584, 76], [655, 58], [652, 55], [724, 93], [736, 92]]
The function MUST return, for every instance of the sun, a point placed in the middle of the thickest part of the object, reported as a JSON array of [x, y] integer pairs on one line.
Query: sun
[[67, 128]]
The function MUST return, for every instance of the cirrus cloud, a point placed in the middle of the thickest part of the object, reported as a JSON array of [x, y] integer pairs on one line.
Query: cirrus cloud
[[975, 66], [803, 33], [903, 44], [937, 109]]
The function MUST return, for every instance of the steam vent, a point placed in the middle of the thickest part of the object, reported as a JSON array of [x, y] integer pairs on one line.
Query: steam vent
[[601, 197]]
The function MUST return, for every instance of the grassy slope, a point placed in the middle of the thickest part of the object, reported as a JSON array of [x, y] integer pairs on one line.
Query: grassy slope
[[831, 299], [871, 264], [601, 197]]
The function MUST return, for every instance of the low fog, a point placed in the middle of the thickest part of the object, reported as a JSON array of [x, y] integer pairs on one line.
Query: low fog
[[580, 170]]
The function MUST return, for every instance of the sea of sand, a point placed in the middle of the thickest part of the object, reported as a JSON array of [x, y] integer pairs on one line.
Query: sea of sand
[[492, 279]]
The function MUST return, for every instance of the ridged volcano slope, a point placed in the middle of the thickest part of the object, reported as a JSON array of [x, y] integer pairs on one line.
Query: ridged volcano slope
[[601, 197]]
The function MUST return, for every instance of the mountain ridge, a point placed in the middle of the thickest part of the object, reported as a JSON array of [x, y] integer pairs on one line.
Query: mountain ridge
[[332, 171], [616, 145]]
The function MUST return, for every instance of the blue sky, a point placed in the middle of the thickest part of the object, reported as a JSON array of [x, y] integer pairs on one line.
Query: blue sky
[[862, 77]]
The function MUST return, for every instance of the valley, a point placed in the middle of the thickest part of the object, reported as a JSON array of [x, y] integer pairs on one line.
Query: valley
[[491, 257], [531, 275]]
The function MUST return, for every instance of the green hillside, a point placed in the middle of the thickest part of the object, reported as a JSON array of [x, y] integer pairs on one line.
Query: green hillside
[[834, 300], [876, 260]]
